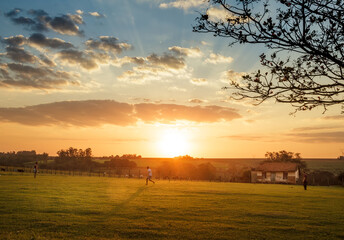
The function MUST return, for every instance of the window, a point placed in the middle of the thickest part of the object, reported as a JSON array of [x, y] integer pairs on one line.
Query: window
[[264, 175], [285, 175]]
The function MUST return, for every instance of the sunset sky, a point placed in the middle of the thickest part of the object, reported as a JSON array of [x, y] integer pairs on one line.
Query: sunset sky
[[130, 76]]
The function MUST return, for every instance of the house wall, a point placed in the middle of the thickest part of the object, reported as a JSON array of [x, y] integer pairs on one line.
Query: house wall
[[257, 176]]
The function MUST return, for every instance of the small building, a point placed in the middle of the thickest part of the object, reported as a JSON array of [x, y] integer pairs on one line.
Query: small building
[[275, 172]]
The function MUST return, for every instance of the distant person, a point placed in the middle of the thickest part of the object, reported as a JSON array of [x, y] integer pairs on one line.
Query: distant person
[[35, 169], [305, 181], [149, 177]]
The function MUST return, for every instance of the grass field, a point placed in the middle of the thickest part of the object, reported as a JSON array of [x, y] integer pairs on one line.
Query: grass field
[[62, 207]]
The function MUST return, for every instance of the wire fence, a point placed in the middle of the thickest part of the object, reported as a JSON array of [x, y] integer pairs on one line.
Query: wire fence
[[119, 172]]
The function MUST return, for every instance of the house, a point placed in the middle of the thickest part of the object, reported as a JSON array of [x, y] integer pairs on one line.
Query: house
[[276, 172]]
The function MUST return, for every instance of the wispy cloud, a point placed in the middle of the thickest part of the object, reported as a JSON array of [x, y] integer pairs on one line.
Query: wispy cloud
[[96, 14], [184, 4], [189, 52], [199, 81], [218, 58], [196, 100]]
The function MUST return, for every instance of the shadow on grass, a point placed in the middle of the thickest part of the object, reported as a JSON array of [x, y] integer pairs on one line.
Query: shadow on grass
[[132, 197]]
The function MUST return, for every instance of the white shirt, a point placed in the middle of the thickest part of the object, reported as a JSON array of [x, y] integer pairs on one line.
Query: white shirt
[[149, 172]]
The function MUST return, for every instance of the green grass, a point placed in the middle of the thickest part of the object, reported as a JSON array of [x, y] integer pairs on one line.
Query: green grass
[[66, 207]]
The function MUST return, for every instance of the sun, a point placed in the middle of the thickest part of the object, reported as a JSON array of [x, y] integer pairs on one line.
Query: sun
[[173, 142]]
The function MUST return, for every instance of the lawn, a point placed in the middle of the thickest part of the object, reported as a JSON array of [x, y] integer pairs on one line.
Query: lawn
[[73, 207]]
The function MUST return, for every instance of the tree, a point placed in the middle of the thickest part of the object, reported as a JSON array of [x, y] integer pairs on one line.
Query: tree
[[306, 68], [284, 156]]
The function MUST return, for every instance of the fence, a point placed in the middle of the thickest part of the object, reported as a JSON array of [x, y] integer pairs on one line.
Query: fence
[[122, 172]]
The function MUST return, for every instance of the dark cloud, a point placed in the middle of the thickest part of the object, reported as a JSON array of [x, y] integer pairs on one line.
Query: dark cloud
[[41, 21], [18, 40], [167, 60], [38, 12], [18, 54], [75, 57], [15, 75], [23, 21], [107, 43], [40, 40], [47, 61], [13, 12], [100, 112], [65, 24]]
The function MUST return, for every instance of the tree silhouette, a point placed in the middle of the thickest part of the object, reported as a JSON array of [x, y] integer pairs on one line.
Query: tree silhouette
[[307, 40], [284, 156]]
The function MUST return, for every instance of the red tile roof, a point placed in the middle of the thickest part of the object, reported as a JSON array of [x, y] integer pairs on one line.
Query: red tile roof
[[277, 167]]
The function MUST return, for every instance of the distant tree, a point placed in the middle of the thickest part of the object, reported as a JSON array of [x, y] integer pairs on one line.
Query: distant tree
[[284, 156], [120, 163], [206, 171], [306, 68]]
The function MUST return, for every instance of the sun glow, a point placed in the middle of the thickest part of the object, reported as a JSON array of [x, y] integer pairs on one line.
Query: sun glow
[[174, 142]]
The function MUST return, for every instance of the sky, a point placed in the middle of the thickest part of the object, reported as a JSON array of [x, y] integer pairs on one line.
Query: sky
[[130, 77]]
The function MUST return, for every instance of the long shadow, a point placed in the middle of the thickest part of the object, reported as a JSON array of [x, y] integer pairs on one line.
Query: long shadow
[[132, 197]]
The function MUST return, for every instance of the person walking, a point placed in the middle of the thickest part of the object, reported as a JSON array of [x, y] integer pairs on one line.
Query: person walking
[[35, 169], [305, 181], [149, 177]]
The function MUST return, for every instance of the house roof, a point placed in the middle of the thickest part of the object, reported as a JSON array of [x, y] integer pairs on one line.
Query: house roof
[[277, 167]]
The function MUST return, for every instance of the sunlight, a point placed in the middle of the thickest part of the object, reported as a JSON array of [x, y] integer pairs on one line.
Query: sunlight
[[173, 142]]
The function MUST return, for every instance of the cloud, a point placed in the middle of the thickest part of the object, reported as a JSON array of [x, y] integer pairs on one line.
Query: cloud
[[145, 74], [196, 100], [153, 68], [216, 14], [118, 62], [167, 60], [14, 75], [335, 117], [13, 12], [18, 40], [184, 4], [18, 54], [107, 43], [178, 89], [66, 24], [199, 81], [318, 137], [41, 21], [190, 52], [96, 14], [217, 58], [316, 128], [47, 61], [204, 43], [100, 112], [168, 113], [251, 137], [84, 59], [80, 12], [39, 40], [38, 12], [231, 75]]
